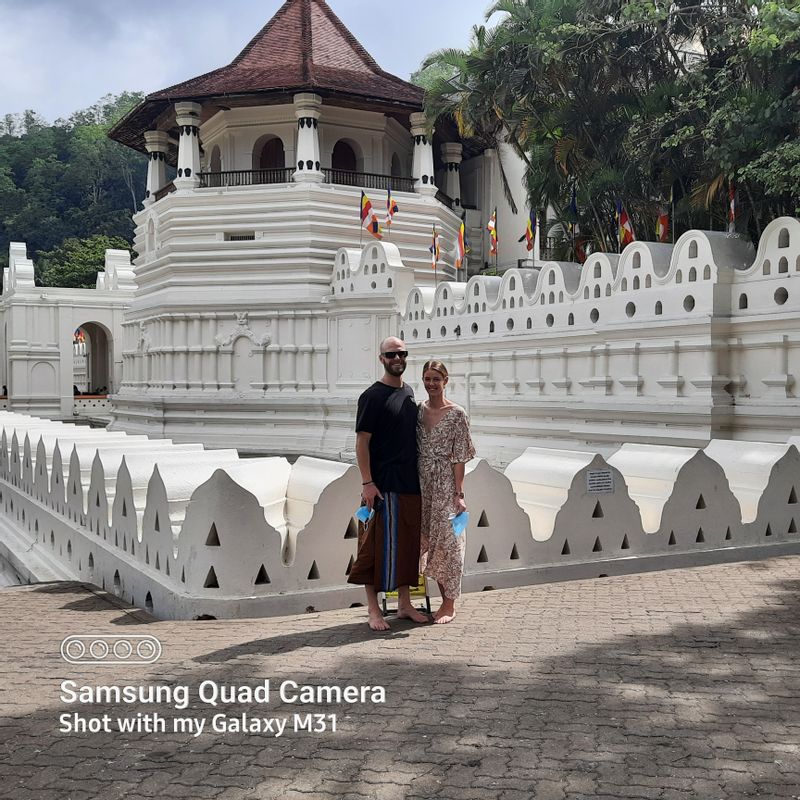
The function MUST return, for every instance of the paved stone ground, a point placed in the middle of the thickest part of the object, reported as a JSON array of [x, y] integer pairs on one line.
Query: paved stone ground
[[670, 685]]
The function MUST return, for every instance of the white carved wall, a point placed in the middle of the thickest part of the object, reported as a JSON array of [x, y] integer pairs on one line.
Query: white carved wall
[[183, 531], [38, 324], [649, 346]]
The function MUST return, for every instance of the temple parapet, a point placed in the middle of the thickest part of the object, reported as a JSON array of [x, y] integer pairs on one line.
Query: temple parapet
[[183, 531]]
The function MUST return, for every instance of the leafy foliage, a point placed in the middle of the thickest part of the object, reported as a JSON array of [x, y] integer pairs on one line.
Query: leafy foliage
[[75, 262], [638, 100], [67, 181]]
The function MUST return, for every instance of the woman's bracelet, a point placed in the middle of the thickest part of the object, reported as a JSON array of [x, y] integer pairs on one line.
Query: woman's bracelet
[[367, 483]]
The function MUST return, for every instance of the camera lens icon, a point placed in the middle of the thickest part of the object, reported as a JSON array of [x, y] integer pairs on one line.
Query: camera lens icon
[[103, 649]]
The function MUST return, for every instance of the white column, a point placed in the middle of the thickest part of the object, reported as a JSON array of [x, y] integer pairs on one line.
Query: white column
[[307, 110], [424, 181], [156, 143], [187, 115], [451, 155]]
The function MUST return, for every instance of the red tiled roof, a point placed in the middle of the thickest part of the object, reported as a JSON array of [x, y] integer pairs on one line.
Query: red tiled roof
[[304, 46]]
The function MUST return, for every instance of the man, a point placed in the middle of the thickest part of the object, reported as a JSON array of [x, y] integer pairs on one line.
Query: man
[[386, 450]]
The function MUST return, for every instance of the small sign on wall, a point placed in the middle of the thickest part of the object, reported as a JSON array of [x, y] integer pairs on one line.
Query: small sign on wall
[[600, 481]]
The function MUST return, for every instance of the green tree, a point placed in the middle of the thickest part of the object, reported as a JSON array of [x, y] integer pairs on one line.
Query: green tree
[[75, 262], [67, 180], [633, 99]]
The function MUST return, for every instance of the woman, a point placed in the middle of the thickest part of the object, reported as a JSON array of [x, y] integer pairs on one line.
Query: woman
[[444, 446]]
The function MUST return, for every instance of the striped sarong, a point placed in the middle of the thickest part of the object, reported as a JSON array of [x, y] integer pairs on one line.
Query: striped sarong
[[388, 546]]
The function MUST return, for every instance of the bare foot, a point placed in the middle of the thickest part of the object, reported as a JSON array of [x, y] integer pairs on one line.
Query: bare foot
[[376, 621], [445, 614], [409, 612]]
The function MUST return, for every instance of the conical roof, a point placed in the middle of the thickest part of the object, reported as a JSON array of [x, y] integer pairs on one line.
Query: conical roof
[[304, 47]]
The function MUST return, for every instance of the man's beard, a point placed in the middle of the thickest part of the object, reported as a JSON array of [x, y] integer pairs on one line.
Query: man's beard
[[390, 369]]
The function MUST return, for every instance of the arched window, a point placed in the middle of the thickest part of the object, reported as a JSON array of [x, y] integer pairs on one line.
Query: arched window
[[215, 165], [343, 157], [396, 170], [268, 154]]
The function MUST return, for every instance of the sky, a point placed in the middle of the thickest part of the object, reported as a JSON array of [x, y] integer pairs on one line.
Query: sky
[[59, 56]]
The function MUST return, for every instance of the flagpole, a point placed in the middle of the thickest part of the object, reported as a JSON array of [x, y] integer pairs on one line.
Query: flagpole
[[672, 219]]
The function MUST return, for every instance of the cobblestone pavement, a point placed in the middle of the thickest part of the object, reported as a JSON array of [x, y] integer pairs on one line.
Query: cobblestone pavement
[[669, 685]]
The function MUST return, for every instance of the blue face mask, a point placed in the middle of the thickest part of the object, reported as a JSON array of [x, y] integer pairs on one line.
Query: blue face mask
[[364, 514], [460, 522]]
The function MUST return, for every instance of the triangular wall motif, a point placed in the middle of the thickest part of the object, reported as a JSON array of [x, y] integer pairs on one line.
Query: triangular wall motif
[[482, 557], [352, 530], [625, 544], [598, 547], [261, 578], [700, 536], [672, 538], [565, 551], [124, 509], [350, 565], [146, 554], [157, 525], [728, 535], [183, 575], [792, 527], [768, 531], [792, 497], [313, 573], [211, 581], [514, 553], [483, 520], [166, 566], [212, 540], [701, 503], [158, 563], [598, 511]]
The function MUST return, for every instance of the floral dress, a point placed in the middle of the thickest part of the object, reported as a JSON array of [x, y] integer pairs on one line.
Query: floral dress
[[447, 443]]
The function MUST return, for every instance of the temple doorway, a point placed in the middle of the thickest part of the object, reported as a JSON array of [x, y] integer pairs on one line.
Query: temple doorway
[[91, 360]]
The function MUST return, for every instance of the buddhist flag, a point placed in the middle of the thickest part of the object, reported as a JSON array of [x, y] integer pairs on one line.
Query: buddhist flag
[[434, 248], [662, 225], [461, 245], [572, 223], [491, 226], [391, 208], [624, 226], [529, 237], [731, 208], [369, 219]]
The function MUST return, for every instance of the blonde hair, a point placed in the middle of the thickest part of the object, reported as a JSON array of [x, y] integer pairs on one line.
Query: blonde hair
[[437, 366]]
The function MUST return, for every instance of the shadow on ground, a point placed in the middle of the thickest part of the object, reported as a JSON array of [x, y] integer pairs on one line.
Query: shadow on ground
[[694, 711]]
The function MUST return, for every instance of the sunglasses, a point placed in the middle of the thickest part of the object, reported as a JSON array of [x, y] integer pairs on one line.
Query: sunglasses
[[396, 354]]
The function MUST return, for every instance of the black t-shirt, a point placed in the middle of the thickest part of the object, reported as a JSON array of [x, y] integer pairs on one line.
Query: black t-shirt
[[390, 415]]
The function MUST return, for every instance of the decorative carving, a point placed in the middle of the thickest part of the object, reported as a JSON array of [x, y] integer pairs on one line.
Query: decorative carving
[[242, 328], [143, 341]]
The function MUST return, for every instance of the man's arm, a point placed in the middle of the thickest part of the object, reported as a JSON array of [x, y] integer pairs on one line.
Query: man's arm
[[369, 491]]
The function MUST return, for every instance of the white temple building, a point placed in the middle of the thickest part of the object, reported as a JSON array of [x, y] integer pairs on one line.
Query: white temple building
[[254, 311], [644, 405], [233, 333]]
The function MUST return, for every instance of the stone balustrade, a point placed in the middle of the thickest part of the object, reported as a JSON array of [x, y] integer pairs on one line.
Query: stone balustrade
[[183, 531]]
